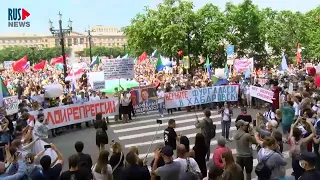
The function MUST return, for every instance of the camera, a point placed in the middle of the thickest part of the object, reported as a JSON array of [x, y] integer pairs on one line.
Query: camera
[[159, 121]]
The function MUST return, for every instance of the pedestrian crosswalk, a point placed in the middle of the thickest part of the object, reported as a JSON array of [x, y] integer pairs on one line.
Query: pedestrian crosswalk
[[143, 128]]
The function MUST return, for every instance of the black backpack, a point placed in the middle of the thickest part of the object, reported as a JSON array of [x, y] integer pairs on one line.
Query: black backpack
[[262, 170], [210, 130]]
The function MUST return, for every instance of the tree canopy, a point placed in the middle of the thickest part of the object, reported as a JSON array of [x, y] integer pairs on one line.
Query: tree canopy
[[260, 33], [35, 55]]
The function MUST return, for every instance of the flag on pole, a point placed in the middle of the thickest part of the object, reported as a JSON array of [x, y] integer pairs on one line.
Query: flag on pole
[[226, 70], [208, 66], [247, 73], [284, 65], [298, 54], [3, 91], [154, 54], [159, 64], [94, 62]]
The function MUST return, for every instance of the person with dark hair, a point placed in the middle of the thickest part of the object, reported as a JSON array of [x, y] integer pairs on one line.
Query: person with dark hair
[[75, 172], [50, 172], [85, 160], [203, 125], [170, 136], [200, 152], [307, 161], [215, 172], [134, 171], [101, 132]]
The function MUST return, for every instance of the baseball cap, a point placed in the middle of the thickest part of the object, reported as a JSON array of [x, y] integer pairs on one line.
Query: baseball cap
[[242, 123], [309, 157], [167, 151]]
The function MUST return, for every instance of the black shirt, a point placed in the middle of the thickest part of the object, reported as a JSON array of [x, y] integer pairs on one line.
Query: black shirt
[[52, 174], [310, 175], [245, 117], [80, 174], [170, 136]]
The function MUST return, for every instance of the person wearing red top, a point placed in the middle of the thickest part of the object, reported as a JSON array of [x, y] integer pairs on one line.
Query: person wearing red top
[[275, 102], [217, 160]]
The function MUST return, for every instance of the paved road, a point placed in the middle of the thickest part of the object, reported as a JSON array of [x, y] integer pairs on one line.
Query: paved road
[[141, 130]]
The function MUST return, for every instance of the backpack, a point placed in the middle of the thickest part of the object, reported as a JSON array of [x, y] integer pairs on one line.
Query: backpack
[[262, 170], [210, 130], [190, 173]]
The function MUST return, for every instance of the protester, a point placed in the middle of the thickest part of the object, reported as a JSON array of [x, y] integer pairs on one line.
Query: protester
[[75, 172], [170, 135], [85, 160], [217, 160], [102, 169], [204, 125], [133, 170], [226, 113]]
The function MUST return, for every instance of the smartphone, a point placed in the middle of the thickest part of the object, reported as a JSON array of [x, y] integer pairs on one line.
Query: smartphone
[[47, 146], [159, 121]]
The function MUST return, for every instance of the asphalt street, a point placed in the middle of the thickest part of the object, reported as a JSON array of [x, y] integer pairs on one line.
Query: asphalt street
[[141, 130]]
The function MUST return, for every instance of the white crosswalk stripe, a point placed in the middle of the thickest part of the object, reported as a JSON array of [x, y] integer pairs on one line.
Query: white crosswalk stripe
[[140, 131]]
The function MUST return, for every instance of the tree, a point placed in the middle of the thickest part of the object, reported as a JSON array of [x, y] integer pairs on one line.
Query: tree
[[263, 34], [35, 55], [105, 51]]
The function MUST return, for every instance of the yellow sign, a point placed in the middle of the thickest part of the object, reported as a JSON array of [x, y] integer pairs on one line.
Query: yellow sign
[[186, 62]]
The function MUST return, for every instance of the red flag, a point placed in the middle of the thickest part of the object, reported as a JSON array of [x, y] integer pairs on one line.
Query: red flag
[[180, 52], [57, 60], [298, 57], [20, 64], [40, 65], [142, 57]]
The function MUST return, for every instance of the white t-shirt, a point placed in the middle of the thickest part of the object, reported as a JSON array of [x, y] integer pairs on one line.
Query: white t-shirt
[[269, 115], [160, 95], [296, 108], [183, 162], [225, 115], [94, 98], [99, 176]]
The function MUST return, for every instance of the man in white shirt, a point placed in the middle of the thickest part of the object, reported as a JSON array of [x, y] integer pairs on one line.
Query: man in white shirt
[[82, 98], [160, 95], [94, 96], [186, 162]]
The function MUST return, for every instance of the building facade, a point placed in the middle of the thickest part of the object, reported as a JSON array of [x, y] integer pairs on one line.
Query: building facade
[[108, 36]]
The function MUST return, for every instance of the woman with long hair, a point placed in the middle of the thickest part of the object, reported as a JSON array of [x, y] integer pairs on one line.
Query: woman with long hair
[[101, 132], [102, 169], [200, 152], [116, 160], [298, 144], [185, 141], [232, 171]]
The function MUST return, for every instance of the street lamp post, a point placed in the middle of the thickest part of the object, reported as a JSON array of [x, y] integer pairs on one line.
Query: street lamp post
[[60, 33], [89, 38]]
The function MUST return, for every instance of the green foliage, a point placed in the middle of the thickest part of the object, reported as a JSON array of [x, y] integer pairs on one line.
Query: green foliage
[[105, 51], [260, 33], [35, 55]]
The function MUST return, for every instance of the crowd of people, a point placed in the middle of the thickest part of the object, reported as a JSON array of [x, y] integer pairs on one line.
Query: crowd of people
[[293, 118]]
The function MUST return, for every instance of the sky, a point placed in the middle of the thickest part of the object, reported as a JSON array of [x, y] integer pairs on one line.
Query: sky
[[85, 13]]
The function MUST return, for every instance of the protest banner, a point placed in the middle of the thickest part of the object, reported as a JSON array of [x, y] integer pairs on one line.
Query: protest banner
[[261, 93], [144, 99], [99, 85], [118, 68], [11, 104], [242, 64], [77, 113], [7, 64], [201, 96]]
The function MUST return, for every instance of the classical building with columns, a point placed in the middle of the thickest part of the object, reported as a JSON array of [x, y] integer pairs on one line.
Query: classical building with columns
[[108, 36]]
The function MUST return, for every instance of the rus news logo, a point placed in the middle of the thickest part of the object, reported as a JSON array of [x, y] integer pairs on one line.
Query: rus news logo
[[17, 17]]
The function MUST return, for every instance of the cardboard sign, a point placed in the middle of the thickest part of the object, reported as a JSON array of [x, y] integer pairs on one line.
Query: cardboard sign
[[118, 68], [99, 85], [261, 93], [11, 104], [77, 113], [201, 96]]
